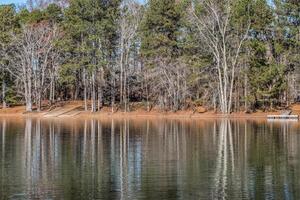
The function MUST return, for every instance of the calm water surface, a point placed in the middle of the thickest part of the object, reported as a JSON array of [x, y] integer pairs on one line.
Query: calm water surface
[[149, 159]]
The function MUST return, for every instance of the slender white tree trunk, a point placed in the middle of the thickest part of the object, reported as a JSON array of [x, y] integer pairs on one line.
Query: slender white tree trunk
[[85, 90], [93, 95], [121, 71], [3, 94]]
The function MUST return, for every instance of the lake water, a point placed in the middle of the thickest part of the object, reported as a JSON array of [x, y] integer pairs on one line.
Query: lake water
[[149, 159]]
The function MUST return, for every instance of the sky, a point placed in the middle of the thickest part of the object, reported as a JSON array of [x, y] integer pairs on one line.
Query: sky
[[12, 1]]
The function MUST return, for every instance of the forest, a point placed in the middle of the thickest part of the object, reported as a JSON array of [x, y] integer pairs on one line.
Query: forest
[[224, 55]]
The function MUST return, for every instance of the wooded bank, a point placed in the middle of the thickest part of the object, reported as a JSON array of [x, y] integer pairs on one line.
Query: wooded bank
[[227, 56]]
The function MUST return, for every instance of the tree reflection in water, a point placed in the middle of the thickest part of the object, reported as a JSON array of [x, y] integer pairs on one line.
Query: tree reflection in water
[[148, 159]]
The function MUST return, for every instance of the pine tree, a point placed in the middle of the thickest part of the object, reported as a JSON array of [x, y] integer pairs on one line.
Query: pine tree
[[160, 51], [159, 29], [91, 42], [287, 42], [266, 75], [8, 23]]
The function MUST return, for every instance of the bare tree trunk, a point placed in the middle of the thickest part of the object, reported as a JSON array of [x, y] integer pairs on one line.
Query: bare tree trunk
[[85, 90], [121, 70], [51, 91], [147, 92], [125, 96], [100, 85], [246, 92], [113, 92], [28, 91], [28, 96], [52, 88], [39, 101], [100, 101], [93, 95], [215, 103], [3, 94]]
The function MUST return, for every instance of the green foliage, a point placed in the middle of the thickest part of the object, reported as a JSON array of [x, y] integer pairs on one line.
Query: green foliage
[[90, 40], [8, 24], [261, 17], [11, 96], [159, 29], [266, 48], [27, 17], [68, 74], [191, 50], [267, 78], [54, 13]]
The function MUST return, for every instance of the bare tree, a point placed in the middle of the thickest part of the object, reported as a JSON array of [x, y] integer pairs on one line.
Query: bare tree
[[223, 41], [30, 60], [169, 83], [128, 25]]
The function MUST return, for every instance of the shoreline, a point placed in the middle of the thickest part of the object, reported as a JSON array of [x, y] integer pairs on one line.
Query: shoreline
[[141, 114], [74, 110]]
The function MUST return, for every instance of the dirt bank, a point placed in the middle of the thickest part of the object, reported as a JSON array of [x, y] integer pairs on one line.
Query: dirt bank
[[75, 110]]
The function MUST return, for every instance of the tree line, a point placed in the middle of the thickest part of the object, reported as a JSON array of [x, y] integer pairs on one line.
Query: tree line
[[226, 55]]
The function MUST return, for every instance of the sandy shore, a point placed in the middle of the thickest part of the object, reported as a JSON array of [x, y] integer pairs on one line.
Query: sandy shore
[[19, 111]]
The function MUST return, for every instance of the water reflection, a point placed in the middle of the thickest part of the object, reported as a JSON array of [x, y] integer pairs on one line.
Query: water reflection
[[148, 159]]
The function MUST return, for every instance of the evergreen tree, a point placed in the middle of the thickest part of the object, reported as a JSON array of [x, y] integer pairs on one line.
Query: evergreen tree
[[159, 30], [160, 51], [273, 47], [90, 43], [8, 23]]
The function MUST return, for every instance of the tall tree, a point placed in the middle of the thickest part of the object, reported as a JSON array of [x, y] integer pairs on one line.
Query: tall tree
[[8, 23], [286, 43], [91, 28], [30, 60], [128, 26], [223, 27], [160, 33]]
